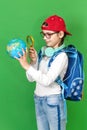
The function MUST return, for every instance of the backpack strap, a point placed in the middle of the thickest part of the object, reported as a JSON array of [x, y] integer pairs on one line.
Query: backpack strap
[[58, 80], [62, 84]]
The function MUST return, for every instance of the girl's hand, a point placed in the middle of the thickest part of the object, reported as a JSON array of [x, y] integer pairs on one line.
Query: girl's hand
[[32, 55], [23, 60]]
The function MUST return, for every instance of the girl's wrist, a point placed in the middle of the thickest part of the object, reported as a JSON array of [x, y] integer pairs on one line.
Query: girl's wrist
[[27, 67], [33, 61]]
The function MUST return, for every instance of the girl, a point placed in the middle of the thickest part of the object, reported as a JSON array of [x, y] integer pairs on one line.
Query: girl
[[49, 104]]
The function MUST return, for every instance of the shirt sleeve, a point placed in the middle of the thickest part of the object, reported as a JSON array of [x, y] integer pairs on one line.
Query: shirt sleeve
[[29, 76], [57, 67]]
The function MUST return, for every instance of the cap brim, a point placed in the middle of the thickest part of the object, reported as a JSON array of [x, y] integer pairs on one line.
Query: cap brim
[[67, 33]]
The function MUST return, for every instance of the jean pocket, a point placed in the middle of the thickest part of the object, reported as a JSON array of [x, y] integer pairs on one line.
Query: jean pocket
[[52, 100]]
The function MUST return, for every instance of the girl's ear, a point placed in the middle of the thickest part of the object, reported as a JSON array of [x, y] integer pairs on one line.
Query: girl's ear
[[61, 34]]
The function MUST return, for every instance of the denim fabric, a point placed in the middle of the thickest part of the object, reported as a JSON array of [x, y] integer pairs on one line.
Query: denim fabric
[[50, 112]]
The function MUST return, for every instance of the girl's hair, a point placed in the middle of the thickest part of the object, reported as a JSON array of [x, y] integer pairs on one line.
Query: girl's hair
[[62, 40]]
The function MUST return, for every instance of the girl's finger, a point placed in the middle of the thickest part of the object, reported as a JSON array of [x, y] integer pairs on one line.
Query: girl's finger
[[16, 58], [23, 51], [19, 54]]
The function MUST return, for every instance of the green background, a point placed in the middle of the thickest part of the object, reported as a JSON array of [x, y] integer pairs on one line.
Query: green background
[[19, 18]]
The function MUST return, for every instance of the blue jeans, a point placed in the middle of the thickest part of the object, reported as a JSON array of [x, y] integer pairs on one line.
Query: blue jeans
[[50, 112]]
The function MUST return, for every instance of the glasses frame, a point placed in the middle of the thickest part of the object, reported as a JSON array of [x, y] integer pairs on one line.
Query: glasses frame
[[47, 35]]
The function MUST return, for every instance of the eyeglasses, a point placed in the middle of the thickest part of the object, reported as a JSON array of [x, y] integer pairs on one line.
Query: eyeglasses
[[47, 35]]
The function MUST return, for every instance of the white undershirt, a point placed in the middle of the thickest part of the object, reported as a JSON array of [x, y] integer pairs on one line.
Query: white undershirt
[[45, 77]]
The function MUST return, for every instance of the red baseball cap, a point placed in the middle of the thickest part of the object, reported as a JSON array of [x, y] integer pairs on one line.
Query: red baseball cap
[[55, 23]]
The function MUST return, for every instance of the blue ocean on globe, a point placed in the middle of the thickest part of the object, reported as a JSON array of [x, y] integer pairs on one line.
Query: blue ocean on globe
[[15, 46]]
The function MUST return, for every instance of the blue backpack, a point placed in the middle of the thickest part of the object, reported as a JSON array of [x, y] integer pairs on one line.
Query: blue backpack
[[72, 83]]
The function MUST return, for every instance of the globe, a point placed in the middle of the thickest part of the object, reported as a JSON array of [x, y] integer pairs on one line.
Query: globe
[[15, 46]]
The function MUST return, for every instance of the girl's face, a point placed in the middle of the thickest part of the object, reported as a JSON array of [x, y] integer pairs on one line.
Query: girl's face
[[52, 39]]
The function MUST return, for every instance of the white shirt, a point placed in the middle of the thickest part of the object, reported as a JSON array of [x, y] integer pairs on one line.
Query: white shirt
[[45, 77]]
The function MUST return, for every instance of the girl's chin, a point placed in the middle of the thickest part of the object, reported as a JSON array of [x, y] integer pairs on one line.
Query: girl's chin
[[48, 45]]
